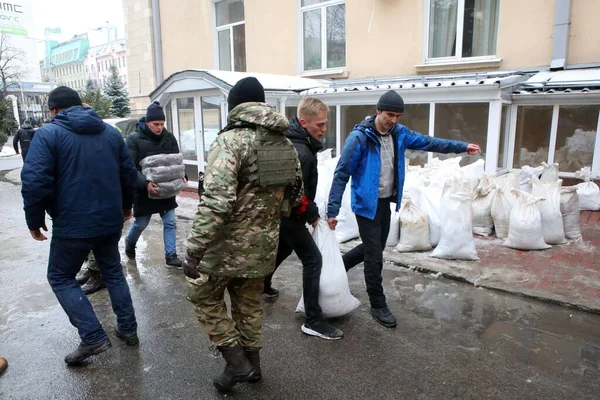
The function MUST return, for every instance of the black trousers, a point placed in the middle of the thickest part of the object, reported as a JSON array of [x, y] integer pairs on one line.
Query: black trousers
[[373, 233], [294, 236]]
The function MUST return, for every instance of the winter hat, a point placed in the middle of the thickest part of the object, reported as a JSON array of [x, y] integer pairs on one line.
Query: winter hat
[[245, 91], [63, 97], [155, 112], [391, 101]]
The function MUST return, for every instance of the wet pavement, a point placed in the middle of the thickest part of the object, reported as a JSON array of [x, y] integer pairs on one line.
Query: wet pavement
[[453, 341]]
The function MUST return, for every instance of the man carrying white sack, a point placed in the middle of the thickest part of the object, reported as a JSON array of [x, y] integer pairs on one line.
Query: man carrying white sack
[[373, 155], [150, 140]]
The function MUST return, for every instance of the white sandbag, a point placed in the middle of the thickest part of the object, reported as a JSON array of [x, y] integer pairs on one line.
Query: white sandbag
[[483, 224], [347, 227], [335, 298], [474, 170], [552, 222], [167, 190], [588, 191], [164, 173], [550, 173], [323, 156], [414, 229], [507, 182], [569, 208], [527, 173], [526, 231], [429, 199], [501, 210], [456, 239], [394, 235], [158, 160]]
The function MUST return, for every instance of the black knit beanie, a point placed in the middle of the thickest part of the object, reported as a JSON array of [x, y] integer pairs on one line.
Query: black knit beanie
[[155, 112], [245, 91], [391, 101], [63, 97]]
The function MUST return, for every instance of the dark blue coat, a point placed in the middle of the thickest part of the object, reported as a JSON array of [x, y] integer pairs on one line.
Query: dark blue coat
[[361, 160], [79, 170]]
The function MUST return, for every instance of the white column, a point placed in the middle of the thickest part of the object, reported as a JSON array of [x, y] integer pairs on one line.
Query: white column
[[338, 130], [493, 136], [596, 159], [553, 133], [512, 134], [431, 128]]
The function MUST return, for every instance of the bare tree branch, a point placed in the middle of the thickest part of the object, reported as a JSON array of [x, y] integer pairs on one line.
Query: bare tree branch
[[12, 59]]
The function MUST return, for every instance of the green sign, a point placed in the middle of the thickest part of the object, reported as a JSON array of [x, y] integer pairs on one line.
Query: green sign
[[14, 30]]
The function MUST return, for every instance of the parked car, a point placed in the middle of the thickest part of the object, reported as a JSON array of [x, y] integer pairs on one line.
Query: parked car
[[188, 141], [125, 126]]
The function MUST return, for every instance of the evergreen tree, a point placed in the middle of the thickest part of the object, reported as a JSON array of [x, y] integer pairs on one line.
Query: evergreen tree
[[116, 91], [93, 96], [5, 122]]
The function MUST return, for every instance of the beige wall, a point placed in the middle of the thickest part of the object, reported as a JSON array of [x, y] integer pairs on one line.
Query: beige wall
[[271, 36], [584, 35], [141, 75], [187, 35], [525, 31]]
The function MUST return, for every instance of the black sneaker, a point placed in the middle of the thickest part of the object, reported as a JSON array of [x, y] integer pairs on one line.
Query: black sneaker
[[84, 351], [173, 261], [130, 250], [384, 316], [82, 277], [271, 293], [129, 339], [322, 330]]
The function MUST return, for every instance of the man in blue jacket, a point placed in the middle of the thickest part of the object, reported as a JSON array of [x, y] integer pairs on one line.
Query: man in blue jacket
[[79, 171], [373, 156]]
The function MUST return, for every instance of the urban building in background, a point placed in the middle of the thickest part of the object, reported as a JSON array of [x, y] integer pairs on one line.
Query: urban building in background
[[484, 71], [100, 58]]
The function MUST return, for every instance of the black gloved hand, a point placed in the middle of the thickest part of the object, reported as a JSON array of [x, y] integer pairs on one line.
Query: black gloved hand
[[189, 266]]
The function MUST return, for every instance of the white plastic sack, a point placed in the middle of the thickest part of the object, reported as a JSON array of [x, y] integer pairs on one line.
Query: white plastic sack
[[588, 191], [323, 156], [159, 160], [394, 235], [550, 173], [569, 208], [335, 298], [429, 199], [507, 182], [347, 227], [526, 225], [483, 224], [414, 229], [501, 210], [456, 239], [552, 222], [527, 173], [164, 173], [474, 170]]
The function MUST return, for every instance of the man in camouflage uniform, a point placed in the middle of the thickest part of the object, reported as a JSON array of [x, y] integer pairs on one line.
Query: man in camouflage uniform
[[253, 175]]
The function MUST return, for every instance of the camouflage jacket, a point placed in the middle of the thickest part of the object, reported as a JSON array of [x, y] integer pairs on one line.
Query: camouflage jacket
[[236, 228]]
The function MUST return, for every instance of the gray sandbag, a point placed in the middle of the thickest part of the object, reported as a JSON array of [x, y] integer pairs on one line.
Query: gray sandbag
[[161, 160], [168, 189], [164, 173]]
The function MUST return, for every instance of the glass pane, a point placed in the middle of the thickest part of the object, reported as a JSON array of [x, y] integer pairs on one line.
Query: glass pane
[[532, 138], [239, 48], [480, 28], [229, 11], [353, 115], [187, 129], [576, 137], [191, 171], [211, 119], [224, 51], [336, 36], [442, 28], [466, 122], [312, 2], [169, 115], [312, 40], [503, 146], [416, 117]]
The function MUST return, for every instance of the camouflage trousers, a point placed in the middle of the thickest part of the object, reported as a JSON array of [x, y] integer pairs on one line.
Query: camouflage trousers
[[92, 265], [207, 294]]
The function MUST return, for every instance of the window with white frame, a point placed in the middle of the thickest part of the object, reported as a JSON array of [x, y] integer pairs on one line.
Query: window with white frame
[[323, 34], [231, 35], [460, 29]]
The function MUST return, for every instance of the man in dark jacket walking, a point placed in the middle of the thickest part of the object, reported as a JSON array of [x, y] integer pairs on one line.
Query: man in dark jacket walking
[[373, 156], [152, 138], [305, 132], [24, 137], [79, 171]]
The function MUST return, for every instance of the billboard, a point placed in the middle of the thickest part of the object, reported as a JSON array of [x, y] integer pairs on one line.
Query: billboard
[[16, 21]]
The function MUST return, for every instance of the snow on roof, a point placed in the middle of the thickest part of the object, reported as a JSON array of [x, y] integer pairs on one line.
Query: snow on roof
[[270, 82], [575, 78]]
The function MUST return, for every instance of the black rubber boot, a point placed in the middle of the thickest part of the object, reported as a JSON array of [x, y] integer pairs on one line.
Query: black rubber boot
[[93, 284], [253, 356], [237, 370], [130, 250], [83, 278], [84, 351]]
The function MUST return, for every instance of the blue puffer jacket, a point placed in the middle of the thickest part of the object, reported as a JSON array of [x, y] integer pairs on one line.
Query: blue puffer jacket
[[361, 160], [79, 170]]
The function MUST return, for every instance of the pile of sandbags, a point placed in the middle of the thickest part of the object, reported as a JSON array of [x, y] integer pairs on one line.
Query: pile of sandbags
[[588, 192], [167, 171]]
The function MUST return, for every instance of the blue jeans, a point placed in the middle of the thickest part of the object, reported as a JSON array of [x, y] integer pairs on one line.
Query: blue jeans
[[169, 231], [66, 258]]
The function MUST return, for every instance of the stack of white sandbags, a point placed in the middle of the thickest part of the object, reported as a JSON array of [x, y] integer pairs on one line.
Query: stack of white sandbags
[[588, 192]]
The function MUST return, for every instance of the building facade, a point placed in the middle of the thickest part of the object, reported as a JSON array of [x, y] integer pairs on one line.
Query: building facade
[[520, 78], [100, 58], [63, 63]]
